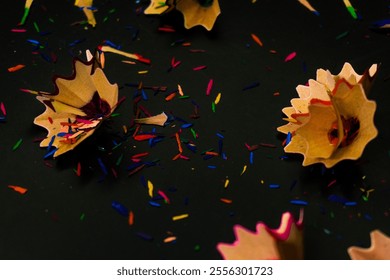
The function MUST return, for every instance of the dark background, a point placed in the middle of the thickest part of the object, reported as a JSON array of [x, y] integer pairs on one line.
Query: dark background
[[63, 216]]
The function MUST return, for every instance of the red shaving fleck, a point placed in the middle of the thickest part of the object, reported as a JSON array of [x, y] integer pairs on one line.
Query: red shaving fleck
[[183, 157], [78, 171], [114, 173], [199, 68], [142, 137], [139, 155], [291, 56], [135, 170], [332, 183], [2, 108], [164, 196], [166, 29], [209, 87]]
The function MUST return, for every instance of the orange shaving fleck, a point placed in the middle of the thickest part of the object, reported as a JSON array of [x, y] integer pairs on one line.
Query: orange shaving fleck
[[170, 96], [18, 189], [16, 68], [225, 200], [102, 60], [176, 157], [178, 143], [257, 40], [169, 239], [212, 153], [131, 218]]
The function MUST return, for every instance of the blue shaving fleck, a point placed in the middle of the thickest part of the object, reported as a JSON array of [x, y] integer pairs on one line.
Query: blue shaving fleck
[[220, 135], [186, 125], [154, 204], [253, 85], [350, 203], [299, 202], [251, 155], [49, 154], [50, 143], [120, 208], [288, 139], [143, 181], [102, 166]]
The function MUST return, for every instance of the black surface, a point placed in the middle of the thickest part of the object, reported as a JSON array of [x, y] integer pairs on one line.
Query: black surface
[[45, 222]]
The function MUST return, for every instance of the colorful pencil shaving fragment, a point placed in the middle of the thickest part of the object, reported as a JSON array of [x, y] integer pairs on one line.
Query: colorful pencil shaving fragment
[[350, 9], [257, 39], [180, 217], [290, 57], [27, 6], [138, 57], [209, 87], [309, 6], [16, 68], [18, 189], [3, 115]]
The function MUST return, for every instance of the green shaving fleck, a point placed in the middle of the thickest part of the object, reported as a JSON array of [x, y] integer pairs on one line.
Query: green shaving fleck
[[17, 144]]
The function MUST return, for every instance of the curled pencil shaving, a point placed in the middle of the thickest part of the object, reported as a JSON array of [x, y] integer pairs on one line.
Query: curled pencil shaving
[[379, 249], [77, 107], [285, 242], [195, 12], [332, 120]]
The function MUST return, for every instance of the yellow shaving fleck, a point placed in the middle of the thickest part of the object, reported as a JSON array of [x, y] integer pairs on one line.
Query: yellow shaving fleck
[[179, 217], [150, 188], [217, 99]]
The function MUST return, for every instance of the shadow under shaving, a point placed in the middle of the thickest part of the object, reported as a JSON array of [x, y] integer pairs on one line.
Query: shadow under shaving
[[175, 19], [97, 155], [344, 178]]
